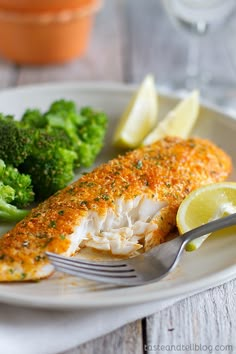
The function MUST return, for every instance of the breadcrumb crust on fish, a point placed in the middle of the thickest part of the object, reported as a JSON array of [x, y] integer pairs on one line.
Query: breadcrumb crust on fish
[[165, 171]]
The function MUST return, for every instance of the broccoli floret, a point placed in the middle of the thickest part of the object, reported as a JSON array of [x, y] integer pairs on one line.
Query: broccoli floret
[[48, 147], [9, 212], [49, 165], [82, 132], [16, 141], [63, 115], [61, 136], [33, 118], [85, 129], [64, 107], [91, 132], [21, 184]]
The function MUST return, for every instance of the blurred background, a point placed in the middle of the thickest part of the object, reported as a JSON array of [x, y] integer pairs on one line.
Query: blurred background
[[117, 40]]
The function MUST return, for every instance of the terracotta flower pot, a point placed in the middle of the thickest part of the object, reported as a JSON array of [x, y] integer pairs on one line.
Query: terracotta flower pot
[[42, 5], [40, 37]]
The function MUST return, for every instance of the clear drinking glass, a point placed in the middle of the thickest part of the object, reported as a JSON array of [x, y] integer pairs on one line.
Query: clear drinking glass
[[197, 19]]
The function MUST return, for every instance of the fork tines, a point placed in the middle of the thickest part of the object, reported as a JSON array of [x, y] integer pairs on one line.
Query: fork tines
[[101, 271]]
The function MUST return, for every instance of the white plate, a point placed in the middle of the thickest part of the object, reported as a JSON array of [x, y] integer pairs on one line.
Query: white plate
[[212, 264]]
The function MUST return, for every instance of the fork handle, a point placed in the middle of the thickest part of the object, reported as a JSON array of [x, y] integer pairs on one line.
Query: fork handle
[[212, 226]]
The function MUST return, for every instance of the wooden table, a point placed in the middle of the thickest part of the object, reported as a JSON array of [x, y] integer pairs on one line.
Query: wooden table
[[130, 39]]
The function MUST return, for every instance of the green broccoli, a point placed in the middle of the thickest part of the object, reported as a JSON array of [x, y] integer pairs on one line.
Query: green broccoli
[[91, 132], [9, 212], [63, 115], [33, 118], [49, 165], [65, 108], [59, 135], [48, 147], [21, 184], [85, 129], [82, 132], [16, 141]]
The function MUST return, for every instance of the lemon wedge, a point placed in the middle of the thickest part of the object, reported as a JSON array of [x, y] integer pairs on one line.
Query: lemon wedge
[[177, 122], [203, 205], [140, 116]]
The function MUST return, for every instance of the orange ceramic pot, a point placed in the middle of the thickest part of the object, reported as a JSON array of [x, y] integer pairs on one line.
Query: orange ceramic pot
[[41, 5], [46, 37]]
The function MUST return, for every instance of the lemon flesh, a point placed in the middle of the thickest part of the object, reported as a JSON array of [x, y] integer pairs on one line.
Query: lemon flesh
[[203, 205], [177, 122], [140, 116]]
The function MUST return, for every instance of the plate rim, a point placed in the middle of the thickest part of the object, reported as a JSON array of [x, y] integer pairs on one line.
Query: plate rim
[[114, 86], [187, 289], [184, 291]]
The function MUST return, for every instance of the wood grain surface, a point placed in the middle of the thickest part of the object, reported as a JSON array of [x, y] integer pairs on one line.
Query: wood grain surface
[[130, 39]]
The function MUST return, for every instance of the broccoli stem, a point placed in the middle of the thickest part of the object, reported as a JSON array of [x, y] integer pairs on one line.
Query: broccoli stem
[[11, 213]]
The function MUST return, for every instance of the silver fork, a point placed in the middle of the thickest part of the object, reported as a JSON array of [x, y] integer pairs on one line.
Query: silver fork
[[145, 268]]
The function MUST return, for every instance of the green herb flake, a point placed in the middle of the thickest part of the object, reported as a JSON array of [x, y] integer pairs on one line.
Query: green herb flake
[[192, 145], [52, 224], [62, 237], [23, 276], [84, 203], [139, 164], [91, 184], [47, 242], [40, 236], [36, 215], [70, 190], [61, 212], [37, 258], [105, 197]]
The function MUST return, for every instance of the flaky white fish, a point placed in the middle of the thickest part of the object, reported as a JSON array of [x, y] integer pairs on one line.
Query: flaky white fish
[[123, 206]]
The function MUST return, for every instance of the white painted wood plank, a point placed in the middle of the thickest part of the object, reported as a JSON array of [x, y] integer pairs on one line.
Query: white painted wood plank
[[126, 340], [8, 74], [204, 323]]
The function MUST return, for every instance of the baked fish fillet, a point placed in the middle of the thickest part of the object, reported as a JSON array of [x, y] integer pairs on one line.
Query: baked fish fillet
[[126, 204]]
